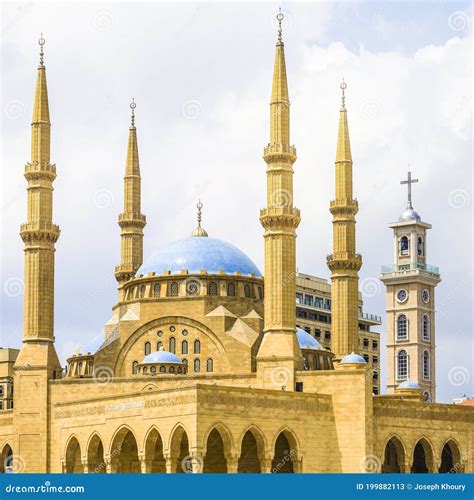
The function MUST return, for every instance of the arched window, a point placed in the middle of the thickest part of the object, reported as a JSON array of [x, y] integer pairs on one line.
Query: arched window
[[157, 290], [425, 327], [172, 345], [192, 287], [426, 365], [145, 369], [174, 289], [134, 367], [230, 290], [142, 291], [172, 369], [162, 369], [260, 293], [153, 369], [147, 348], [402, 365], [197, 365], [427, 396], [159, 345], [212, 289], [404, 245], [247, 291], [185, 362], [209, 365], [420, 246], [184, 347], [180, 370], [402, 327], [197, 347]]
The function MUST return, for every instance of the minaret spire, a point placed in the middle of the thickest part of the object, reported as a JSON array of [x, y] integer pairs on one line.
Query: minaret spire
[[199, 231], [39, 235], [131, 221], [280, 219], [344, 262]]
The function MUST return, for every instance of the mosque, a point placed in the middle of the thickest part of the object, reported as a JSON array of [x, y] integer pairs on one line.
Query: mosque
[[202, 369]]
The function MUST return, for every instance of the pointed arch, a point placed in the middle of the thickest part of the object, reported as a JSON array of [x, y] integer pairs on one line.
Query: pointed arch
[[153, 446], [124, 451], [6, 464], [285, 451], [252, 450], [95, 455], [179, 448], [394, 455], [423, 458], [215, 455], [72, 456], [451, 458]]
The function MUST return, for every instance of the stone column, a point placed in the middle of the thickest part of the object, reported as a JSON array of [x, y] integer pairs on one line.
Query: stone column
[[170, 463], [85, 466], [108, 465], [266, 464], [232, 463], [145, 464]]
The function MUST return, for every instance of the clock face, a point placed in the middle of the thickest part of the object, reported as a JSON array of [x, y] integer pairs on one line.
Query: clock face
[[425, 295], [402, 295]]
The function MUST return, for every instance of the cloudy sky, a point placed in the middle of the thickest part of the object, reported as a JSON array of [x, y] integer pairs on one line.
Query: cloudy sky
[[201, 76]]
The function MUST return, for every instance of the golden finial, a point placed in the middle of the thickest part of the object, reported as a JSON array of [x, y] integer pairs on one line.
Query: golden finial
[[199, 231], [41, 42], [280, 16], [343, 87], [132, 107]]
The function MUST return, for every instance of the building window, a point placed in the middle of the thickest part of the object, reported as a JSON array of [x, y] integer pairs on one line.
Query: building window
[[212, 288], [366, 343], [426, 327], [172, 369], [174, 289], [375, 375], [402, 365], [312, 316], [420, 246], [142, 291], [299, 298], [307, 329], [230, 290], [427, 396], [147, 348], [366, 357], [247, 291], [300, 313], [260, 293], [185, 363], [1, 390], [157, 290], [162, 369], [197, 347], [327, 304], [193, 287], [327, 335], [308, 300], [318, 302], [172, 345], [197, 365], [209, 365], [134, 367], [375, 344], [402, 327], [375, 390], [426, 365], [153, 369], [159, 345], [375, 360], [184, 347], [299, 387], [317, 333], [404, 245]]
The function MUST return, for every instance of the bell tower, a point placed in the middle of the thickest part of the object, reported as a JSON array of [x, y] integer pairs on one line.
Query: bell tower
[[411, 284]]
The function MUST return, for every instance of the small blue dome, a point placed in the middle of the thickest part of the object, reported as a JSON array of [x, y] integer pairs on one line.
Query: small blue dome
[[161, 357], [195, 254], [353, 358], [408, 384], [408, 215], [307, 341]]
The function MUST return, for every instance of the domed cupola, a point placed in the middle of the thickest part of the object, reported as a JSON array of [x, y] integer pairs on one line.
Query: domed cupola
[[161, 363], [314, 354]]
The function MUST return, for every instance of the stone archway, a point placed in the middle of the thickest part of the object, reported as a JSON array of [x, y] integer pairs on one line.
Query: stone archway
[[155, 459], [124, 453], [252, 448], [6, 465], [181, 460], [215, 460], [95, 456], [422, 457], [285, 453], [450, 459], [394, 456], [73, 457]]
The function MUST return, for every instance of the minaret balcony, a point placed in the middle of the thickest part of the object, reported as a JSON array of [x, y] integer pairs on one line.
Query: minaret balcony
[[343, 205], [340, 261], [135, 219], [277, 218], [38, 231], [279, 152], [37, 170]]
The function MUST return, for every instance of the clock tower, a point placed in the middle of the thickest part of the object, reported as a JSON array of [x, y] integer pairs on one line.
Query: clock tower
[[411, 284]]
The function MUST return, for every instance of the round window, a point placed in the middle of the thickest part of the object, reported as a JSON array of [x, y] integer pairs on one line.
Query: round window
[[185, 332], [172, 328], [193, 288], [159, 333], [402, 295], [425, 295]]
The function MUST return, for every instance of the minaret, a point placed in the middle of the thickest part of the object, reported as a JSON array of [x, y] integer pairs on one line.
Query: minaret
[[411, 284], [131, 221], [344, 262], [279, 354], [37, 361]]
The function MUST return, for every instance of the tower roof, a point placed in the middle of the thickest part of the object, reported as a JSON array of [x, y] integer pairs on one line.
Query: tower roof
[[343, 152], [133, 165]]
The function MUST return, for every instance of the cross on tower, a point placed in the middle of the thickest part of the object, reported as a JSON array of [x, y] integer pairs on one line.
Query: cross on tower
[[409, 181]]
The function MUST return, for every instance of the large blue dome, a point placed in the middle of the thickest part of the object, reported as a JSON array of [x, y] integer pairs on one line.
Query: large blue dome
[[197, 253]]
